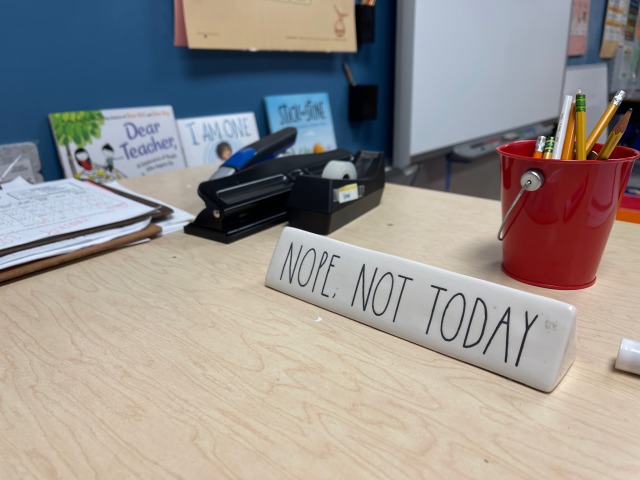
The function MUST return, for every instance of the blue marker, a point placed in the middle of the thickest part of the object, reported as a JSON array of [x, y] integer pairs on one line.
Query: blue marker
[[259, 151]]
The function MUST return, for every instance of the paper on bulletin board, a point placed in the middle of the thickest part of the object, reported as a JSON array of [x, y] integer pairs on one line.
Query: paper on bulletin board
[[632, 21], [614, 24], [301, 25], [579, 27], [179, 33]]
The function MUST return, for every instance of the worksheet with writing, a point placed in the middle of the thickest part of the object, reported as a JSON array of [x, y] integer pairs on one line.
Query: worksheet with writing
[[51, 210]]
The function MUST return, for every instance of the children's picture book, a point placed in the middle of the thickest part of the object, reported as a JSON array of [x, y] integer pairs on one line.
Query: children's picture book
[[106, 145], [213, 139], [310, 114]]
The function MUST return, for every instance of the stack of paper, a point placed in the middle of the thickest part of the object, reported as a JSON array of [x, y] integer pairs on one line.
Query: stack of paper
[[175, 218], [50, 223]]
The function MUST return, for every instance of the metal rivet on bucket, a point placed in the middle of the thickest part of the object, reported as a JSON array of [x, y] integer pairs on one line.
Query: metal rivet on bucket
[[530, 180]]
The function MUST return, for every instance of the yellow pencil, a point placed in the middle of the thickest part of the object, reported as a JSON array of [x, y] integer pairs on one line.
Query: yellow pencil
[[605, 119], [615, 136], [609, 145], [570, 135], [581, 126], [548, 147], [539, 148]]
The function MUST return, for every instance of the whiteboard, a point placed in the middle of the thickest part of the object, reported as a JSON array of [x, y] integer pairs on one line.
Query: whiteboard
[[469, 69]]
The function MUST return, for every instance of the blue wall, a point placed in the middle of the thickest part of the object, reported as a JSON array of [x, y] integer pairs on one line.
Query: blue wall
[[76, 55]]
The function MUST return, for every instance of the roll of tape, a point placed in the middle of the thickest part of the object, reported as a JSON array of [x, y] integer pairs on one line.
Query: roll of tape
[[339, 170]]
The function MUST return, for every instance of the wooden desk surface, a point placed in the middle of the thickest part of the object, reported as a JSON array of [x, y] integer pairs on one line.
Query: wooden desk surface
[[171, 359]]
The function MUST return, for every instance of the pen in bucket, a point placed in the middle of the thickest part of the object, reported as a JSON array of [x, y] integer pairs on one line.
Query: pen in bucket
[[348, 74], [561, 129], [570, 136]]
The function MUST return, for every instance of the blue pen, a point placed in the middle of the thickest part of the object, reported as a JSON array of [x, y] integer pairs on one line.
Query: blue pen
[[259, 151]]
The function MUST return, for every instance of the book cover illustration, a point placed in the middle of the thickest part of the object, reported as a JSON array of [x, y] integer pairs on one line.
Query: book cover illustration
[[106, 145], [211, 140], [310, 114]]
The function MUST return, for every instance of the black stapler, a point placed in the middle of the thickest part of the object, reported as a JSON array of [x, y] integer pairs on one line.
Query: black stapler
[[257, 194], [254, 198]]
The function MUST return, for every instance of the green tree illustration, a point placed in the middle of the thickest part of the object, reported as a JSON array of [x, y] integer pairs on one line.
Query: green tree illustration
[[76, 127]]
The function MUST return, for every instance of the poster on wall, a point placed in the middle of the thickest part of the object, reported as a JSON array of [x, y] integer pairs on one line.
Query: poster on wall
[[579, 27], [614, 24], [632, 21], [301, 25], [179, 32]]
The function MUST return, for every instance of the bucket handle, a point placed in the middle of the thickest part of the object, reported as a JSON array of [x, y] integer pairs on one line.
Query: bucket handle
[[531, 180]]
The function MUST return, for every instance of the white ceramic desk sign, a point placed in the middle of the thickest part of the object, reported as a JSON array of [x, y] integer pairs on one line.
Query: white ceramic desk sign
[[522, 336]]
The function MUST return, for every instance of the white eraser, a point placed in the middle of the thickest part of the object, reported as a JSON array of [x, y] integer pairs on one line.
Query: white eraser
[[629, 356]]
